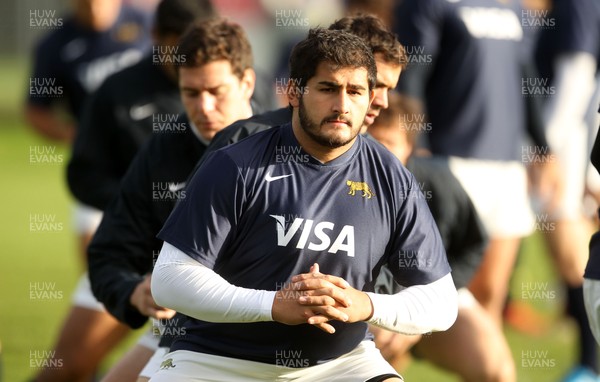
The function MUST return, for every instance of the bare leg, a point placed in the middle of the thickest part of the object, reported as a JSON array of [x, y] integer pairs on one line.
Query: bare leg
[[491, 281], [129, 367], [394, 347], [85, 339], [483, 354], [568, 243]]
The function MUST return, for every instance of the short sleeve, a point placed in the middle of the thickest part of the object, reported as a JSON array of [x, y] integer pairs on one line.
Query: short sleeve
[[202, 223]]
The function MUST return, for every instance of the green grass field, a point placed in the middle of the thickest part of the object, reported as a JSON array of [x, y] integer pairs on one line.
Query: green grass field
[[39, 265]]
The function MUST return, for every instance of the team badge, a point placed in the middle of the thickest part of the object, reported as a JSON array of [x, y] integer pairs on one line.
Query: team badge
[[167, 364], [128, 32], [360, 186]]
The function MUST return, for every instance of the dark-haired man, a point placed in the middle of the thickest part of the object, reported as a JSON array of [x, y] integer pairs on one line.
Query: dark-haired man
[[216, 82], [243, 253], [129, 106], [122, 258], [464, 237], [390, 58]]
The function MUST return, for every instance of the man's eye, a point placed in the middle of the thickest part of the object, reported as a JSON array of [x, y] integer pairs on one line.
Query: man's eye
[[220, 91]]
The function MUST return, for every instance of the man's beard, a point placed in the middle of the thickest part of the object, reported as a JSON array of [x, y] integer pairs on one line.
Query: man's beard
[[313, 130]]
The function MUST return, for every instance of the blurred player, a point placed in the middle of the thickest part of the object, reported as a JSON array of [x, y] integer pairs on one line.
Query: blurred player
[[115, 122], [591, 282], [484, 354], [248, 277], [98, 39], [567, 58], [130, 106], [466, 67], [216, 83]]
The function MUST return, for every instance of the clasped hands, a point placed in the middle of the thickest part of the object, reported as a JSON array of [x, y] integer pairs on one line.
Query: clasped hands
[[316, 298]]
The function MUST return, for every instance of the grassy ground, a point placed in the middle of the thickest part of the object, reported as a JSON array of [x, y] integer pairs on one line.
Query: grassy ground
[[39, 264]]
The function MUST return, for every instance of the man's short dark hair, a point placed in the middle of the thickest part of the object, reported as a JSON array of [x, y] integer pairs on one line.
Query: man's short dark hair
[[175, 16], [342, 49], [216, 39], [376, 35]]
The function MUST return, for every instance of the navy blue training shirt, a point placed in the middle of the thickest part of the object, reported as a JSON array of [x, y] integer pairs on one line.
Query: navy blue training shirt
[[466, 64], [71, 62], [263, 210], [577, 30]]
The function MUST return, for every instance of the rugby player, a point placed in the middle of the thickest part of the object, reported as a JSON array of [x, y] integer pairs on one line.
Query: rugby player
[[466, 67], [99, 38], [117, 252], [250, 279], [117, 120], [567, 59], [216, 83], [464, 238]]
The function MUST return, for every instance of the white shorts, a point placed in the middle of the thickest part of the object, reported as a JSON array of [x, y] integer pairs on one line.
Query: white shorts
[[154, 363], [83, 296], [498, 191], [86, 219], [360, 365]]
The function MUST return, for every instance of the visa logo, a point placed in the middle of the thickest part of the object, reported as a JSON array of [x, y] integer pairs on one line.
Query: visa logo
[[344, 240]]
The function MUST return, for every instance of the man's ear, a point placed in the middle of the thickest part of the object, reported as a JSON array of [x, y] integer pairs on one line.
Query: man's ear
[[248, 82], [293, 93]]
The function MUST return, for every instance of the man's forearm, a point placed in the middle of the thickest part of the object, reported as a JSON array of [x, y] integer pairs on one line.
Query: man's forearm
[[418, 309], [183, 284]]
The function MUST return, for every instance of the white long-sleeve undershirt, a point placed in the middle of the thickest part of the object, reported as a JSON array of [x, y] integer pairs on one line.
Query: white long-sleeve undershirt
[[183, 284]]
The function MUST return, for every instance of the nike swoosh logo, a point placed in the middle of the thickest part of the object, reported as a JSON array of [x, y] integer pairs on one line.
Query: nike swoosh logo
[[270, 178], [174, 187], [140, 112]]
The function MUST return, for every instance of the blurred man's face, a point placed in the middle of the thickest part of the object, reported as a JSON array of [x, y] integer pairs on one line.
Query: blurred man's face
[[98, 15], [214, 97], [394, 138], [333, 108], [387, 79]]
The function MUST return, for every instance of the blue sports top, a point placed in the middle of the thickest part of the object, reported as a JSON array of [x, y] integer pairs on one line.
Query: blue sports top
[[466, 64], [577, 29], [263, 210], [71, 62]]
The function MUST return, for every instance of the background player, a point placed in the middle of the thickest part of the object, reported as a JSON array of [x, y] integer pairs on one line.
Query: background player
[[484, 353], [216, 83], [115, 122], [591, 282], [456, 49], [98, 39], [130, 106], [567, 58], [239, 327]]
